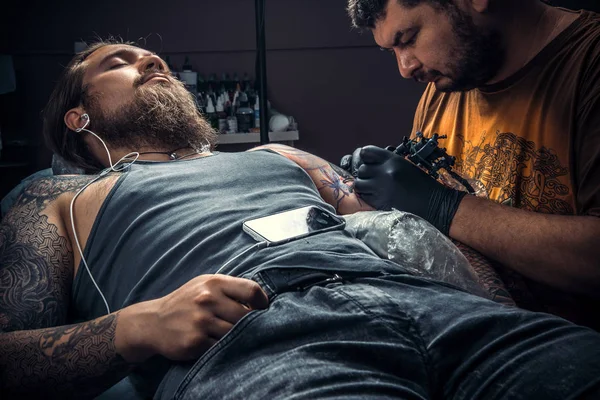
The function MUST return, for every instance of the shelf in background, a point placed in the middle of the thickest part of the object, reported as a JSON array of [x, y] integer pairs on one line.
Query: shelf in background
[[235, 138]]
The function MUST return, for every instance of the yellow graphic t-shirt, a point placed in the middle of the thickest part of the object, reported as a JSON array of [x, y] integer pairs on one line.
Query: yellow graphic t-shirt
[[533, 140]]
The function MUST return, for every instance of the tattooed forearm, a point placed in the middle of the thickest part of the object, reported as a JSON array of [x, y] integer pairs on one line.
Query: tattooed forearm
[[347, 176], [335, 189], [76, 361]]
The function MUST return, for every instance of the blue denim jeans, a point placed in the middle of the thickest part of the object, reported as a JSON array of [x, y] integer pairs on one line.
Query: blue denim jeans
[[399, 337]]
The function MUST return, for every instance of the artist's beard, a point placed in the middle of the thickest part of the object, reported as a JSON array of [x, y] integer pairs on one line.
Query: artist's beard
[[162, 116], [479, 55]]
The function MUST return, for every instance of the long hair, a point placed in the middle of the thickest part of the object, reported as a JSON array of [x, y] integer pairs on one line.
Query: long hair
[[69, 93]]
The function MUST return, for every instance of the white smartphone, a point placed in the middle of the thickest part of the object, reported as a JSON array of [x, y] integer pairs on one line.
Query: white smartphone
[[293, 224]]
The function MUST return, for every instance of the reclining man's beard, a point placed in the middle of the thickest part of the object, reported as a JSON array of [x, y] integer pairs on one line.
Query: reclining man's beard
[[161, 116]]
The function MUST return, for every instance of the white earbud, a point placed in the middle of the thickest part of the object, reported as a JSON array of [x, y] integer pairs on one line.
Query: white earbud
[[86, 118]]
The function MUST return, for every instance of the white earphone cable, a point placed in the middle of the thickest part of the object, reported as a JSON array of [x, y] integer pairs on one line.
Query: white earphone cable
[[77, 239], [256, 246], [119, 166]]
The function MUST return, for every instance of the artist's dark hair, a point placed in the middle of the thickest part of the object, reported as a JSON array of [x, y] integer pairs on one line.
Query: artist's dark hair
[[366, 13], [69, 93]]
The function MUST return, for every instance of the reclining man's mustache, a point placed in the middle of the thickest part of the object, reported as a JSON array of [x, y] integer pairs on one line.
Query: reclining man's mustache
[[139, 81]]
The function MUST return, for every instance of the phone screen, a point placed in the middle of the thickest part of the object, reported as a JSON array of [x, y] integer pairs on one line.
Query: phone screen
[[292, 224]]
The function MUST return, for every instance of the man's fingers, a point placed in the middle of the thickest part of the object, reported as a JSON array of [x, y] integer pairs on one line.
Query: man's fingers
[[367, 171], [246, 292], [375, 155], [364, 187], [356, 161], [218, 328], [231, 310]]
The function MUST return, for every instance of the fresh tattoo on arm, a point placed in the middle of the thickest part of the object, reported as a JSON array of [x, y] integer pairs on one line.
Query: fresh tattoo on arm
[[36, 269], [342, 172], [335, 188]]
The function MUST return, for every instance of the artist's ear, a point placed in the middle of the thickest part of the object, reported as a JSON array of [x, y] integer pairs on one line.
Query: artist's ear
[[74, 120], [481, 6]]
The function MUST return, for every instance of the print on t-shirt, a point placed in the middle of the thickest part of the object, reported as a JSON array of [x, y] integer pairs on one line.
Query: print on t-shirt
[[515, 172]]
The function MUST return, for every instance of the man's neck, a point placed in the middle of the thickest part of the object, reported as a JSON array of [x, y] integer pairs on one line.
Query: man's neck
[[528, 27], [149, 154]]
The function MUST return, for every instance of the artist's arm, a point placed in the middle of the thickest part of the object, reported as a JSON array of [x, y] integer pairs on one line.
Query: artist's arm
[[335, 185], [562, 251]]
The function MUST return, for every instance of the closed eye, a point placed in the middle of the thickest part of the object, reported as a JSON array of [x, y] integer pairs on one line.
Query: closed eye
[[412, 40], [117, 66]]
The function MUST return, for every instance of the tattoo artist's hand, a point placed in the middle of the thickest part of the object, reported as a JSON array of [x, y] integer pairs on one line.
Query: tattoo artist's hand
[[352, 162], [184, 324], [387, 180]]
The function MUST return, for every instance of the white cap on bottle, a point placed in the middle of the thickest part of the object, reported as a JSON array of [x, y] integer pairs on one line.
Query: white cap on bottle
[[210, 108]]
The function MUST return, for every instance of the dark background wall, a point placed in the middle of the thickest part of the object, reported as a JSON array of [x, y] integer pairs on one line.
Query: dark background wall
[[341, 89]]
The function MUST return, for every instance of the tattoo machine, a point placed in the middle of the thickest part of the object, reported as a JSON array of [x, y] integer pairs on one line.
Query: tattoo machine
[[426, 153]]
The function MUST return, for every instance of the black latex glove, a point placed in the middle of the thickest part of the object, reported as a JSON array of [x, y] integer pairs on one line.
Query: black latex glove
[[386, 180], [352, 162]]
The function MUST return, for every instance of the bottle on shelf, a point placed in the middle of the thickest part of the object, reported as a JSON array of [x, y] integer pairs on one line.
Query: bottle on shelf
[[211, 114], [221, 116], [232, 124], [212, 87], [244, 114], [236, 83]]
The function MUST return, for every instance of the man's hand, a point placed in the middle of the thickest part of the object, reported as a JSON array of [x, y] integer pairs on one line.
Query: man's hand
[[184, 324], [386, 180]]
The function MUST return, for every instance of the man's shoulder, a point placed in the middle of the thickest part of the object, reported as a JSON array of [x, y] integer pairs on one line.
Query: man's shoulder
[[48, 189], [43, 195], [579, 43]]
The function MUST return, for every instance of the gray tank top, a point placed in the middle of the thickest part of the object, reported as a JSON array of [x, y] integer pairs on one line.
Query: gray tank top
[[164, 223]]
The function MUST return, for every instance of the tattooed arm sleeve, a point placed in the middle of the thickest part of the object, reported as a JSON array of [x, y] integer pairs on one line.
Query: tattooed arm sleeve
[[38, 357], [335, 189]]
